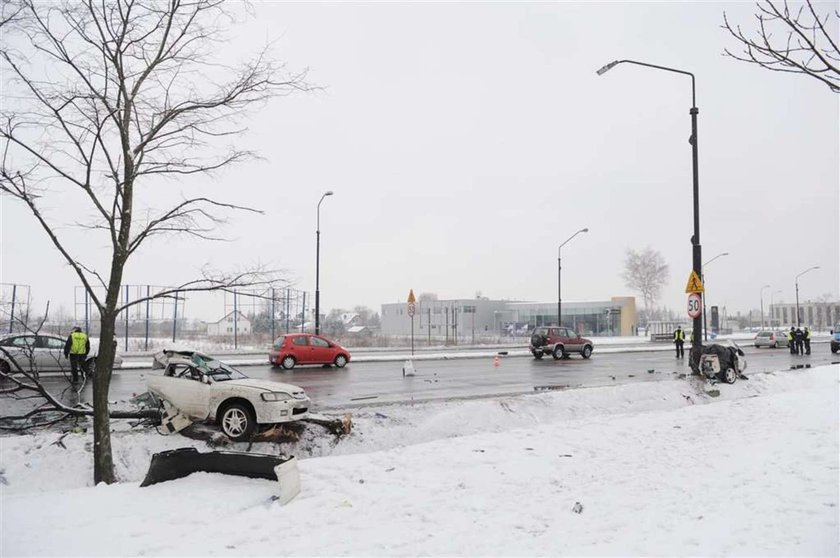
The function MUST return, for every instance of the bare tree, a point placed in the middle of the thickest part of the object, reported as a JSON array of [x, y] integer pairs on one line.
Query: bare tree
[[647, 273], [802, 41], [106, 99]]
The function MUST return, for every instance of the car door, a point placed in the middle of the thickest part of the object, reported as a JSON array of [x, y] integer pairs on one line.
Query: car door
[[570, 341], [321, 350], [21, 349], [301, 349], [183, 387], [50, 351]]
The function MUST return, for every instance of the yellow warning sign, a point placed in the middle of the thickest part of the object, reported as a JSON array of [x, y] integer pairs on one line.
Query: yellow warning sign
[[411, 299], [694, 285]]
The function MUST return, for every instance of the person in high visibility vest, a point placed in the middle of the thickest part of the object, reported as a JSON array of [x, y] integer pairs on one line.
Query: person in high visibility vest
[[791, 341], [679, 340], [807, 341], [76, 349]]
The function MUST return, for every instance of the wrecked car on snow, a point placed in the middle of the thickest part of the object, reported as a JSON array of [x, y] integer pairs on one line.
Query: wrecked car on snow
[[197, 387]]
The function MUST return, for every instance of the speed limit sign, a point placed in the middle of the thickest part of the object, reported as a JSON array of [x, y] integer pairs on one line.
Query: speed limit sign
[[695, 305]]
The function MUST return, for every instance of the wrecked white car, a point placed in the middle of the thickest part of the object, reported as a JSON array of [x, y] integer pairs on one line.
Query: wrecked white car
[[197, 387]]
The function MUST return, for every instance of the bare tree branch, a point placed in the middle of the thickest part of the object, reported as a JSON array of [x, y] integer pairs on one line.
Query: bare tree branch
[[806, 44]]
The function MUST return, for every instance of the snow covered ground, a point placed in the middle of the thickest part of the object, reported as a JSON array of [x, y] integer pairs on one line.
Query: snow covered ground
[[658, 468]]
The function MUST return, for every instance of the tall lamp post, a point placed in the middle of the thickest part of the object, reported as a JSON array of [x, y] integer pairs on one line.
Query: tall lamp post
[[703, 279], [695, 239], [318, 263], [559, 268], [761, 296], [798, 318]]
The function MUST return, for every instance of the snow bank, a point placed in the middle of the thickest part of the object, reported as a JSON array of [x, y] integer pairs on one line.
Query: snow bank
[[656, 469]]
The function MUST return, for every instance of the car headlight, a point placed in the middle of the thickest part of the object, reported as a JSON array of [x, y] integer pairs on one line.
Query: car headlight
[[275, 396]]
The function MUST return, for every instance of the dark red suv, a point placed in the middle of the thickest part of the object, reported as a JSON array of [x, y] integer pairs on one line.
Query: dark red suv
[[305, 348], [558, 342]]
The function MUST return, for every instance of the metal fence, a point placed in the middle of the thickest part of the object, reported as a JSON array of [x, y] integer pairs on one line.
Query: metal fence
[[243, 314]]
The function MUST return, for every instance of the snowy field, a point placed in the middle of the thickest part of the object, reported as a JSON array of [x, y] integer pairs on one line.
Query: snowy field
[[658, 468]]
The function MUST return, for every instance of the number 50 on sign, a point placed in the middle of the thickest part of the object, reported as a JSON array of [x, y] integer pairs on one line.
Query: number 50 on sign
[[695, 305]]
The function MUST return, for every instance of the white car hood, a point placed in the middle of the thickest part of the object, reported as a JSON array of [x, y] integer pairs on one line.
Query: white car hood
[[262, 385]]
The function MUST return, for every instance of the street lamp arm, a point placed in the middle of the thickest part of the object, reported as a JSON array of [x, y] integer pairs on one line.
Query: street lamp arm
[[570, 238], [716, 257], [609, 66], [807, 270]]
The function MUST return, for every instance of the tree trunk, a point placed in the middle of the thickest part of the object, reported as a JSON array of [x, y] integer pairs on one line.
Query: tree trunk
[[103, 461]]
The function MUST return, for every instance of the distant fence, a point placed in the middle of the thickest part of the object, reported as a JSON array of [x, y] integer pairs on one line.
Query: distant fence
[[242, 313]]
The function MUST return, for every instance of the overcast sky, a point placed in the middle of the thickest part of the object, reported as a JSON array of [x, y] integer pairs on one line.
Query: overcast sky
[[465, 142]]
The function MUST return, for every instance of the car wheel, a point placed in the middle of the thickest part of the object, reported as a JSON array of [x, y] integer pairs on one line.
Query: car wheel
[[340, 361], [730, 376], [289, 362], [558, 352], [537, 354], [758, 346], [6, 369], [237, 423], [586, 352]]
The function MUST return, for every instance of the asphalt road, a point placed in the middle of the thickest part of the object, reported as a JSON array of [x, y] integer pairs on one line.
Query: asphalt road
[[375, 383]]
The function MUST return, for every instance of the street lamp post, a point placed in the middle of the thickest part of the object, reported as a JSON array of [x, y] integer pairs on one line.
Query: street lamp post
[[798, 318], [761, 296], [559, 268], [695, 239], [318, 263], [703, 279]]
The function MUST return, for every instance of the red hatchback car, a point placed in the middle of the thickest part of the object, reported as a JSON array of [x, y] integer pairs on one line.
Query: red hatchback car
[[305, 348]]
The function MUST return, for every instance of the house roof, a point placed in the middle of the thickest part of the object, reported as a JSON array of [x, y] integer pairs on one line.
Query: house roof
[[226, 316]]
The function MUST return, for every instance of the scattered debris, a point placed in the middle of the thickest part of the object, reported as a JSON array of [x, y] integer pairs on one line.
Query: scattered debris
[[408, 369], [380, 415], [613, 377], [551, 388], [713, 392], [3, 477], [529, 449], [688, 398], [361, 481], [565, 455], [345, 504], [363, 398], [60, 441], [389, 469], [478, 450], [578, 508], [651, 370]]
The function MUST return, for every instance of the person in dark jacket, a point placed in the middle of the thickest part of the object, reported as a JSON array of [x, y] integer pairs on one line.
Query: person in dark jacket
[[76, 349], [679, 341], [799, 338], [807, 341], [791, 337]]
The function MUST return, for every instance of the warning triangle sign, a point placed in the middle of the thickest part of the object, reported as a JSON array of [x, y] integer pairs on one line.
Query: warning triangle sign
[[694, 285], [411, 298]]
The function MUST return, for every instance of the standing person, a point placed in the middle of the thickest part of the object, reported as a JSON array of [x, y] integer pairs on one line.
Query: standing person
[[679, 340], [807, 341], [799, 337], [792, 340], [77, 348]]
